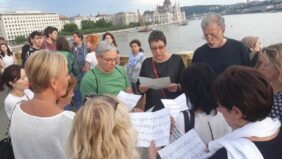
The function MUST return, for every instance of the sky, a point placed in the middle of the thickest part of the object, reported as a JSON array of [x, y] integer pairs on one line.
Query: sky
[[87, 7]]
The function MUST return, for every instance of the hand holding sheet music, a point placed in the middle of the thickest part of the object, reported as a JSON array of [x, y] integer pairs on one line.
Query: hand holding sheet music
[[176, 105], [157, 83]]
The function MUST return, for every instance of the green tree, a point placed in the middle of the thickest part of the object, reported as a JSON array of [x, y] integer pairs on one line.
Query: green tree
[[71, 27], [20, 39], [87, 24], [103, 24]]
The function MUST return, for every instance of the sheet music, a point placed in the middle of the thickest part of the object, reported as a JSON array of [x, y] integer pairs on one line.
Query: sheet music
[[152, 126], [129, 99], [157, 83], [188, 146], [176, 105]]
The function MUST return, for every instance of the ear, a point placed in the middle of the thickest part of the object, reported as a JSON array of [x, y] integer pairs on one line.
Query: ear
[[237, 112], [252, 49], [53, 84], [11, 83]]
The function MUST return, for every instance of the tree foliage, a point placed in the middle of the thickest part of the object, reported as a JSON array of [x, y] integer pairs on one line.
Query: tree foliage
[[20, 39], [71, 27]]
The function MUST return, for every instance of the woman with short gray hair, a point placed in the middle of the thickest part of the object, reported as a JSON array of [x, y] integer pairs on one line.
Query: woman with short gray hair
[[106, 77]]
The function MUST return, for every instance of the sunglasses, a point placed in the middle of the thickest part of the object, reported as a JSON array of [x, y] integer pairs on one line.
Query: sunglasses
[[109, 99]]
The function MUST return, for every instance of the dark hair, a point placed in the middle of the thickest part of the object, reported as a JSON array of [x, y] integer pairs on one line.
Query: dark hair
[[156, 35], [49, 30], [197, 82], [8, 50], [62, 44], [245, 88], [35, 33], [78, 34], [112, 36], [135, 41], [2, 38], [11, 74]]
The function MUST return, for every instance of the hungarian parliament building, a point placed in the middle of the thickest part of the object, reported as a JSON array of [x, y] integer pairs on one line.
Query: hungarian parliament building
[[167, 13]]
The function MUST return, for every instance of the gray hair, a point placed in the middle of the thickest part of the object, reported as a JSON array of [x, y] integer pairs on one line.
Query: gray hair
[[213, 18], [104, 47]]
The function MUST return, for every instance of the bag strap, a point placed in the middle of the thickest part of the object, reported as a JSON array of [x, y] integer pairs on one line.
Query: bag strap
[[155, 70], [96, 80], [189, 120], [121, 75], [9, 125]]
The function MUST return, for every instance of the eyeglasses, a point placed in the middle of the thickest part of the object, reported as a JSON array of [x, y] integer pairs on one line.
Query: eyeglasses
[[109, 99], [110, 60], [157, 48], [211, 35]]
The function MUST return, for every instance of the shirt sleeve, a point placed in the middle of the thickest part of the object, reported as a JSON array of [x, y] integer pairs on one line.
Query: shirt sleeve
[[88, 84]]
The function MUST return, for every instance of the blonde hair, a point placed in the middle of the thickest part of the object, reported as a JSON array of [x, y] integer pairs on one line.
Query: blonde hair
[[102, 130], [274, 54], [42, 66]]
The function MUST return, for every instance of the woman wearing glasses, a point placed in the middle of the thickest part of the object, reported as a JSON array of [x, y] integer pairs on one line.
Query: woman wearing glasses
[[102, 130], [270, 65], [106, 77], [162, 64]]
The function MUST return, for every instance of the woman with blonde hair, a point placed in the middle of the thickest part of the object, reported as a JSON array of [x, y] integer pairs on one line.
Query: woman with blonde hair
[[270, 65], [39, 128], [90, 59], [102, 130]]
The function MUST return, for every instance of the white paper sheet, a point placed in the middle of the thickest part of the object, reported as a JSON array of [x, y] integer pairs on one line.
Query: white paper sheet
[[152, 126], [129, 99], [155, 83], [188, 146], [176, 105]]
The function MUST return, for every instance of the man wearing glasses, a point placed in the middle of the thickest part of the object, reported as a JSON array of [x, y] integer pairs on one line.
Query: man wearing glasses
[[219, 52]]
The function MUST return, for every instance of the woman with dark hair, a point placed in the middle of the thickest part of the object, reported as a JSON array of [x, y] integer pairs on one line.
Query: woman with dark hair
[[110, 38], [196, 83], [161, 64], [15, 79], [135, 61], [245, 99], [7, 56], [64, 48]]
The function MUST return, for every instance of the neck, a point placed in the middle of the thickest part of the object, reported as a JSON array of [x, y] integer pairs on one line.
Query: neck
[[79, 43], [49, 40], [277, 86], [35, 47], [165, 58], [223, 41], [17, 93], [46, 96], [102, 70]]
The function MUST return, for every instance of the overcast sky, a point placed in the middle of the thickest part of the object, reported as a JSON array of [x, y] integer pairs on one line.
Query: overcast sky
[[87, 7]]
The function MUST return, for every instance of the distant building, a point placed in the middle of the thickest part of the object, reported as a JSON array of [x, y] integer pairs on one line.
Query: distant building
[[63, 20], [77, 20], [13, 24], [167, 13], [106, 17], [124, 18]]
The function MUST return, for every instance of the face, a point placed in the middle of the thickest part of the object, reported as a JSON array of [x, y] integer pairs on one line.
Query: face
[[107, 61], [76, 39], [62, 82], [158, 49], [54, 35], [257, 46], [109, 38], [4, 48], [22, 83], [88, 45], [66, 100], [214, 35], [267, 68], [135, 48], [37, 41]]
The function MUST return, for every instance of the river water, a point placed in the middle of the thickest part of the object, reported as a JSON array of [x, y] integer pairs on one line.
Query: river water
[[267, 26]]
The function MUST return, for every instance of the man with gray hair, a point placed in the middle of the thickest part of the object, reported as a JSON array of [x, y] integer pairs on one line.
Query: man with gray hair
[[219, 52], [106, 77]]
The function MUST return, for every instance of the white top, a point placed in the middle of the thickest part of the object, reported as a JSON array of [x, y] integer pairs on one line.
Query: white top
[[91, 58], [218, 126], [11, 101], [36, 137], [8, 60]]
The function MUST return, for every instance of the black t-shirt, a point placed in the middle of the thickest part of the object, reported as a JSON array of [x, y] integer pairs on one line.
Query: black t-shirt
[[233, 52], [27, 54], [269, 149], [172, 68]]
